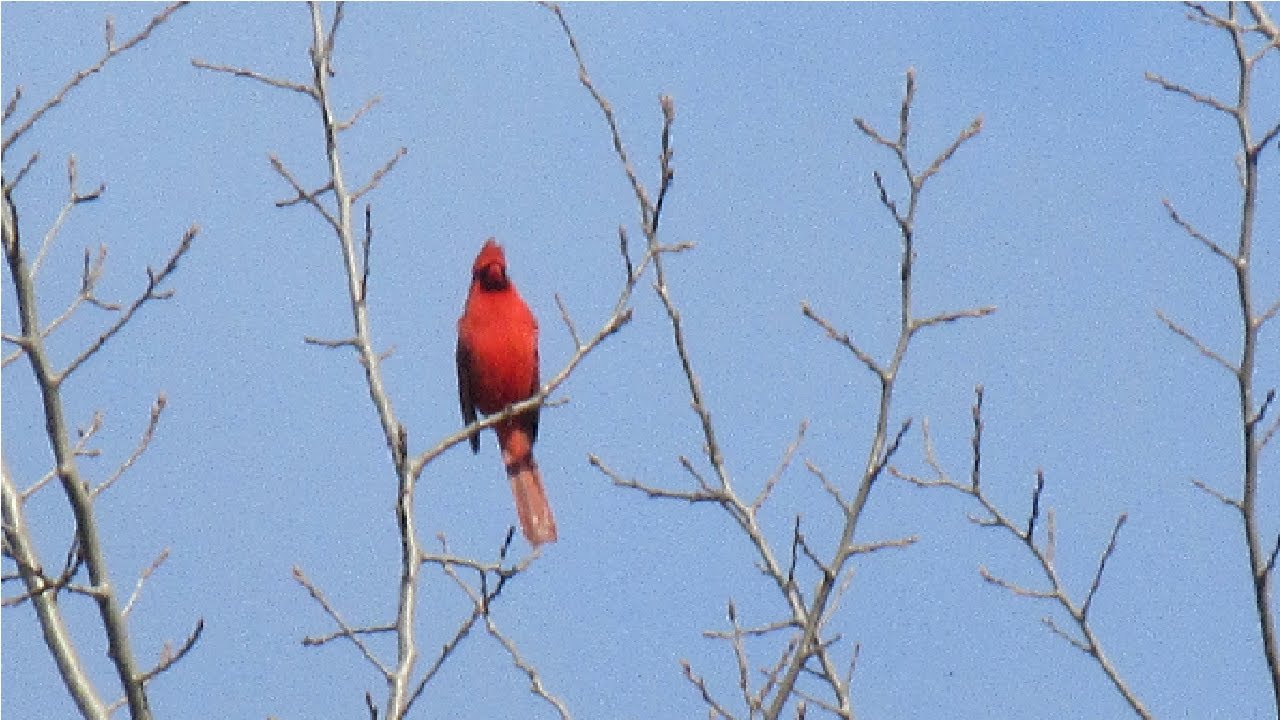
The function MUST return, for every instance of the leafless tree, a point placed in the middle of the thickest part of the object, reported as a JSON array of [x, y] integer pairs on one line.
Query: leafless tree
[[43, 588], [809, 647], [1255, 431], [336, 202]]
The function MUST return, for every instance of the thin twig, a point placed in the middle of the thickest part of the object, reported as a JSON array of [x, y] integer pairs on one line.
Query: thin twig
[[843, 338], [949, 317], [344, 628], [12, 182], [690, 496], [142, 580], [169, 656], [1102, 566], [311, 197], [535, 679], [364, 265], [253, 75], [1029, 535], [606, 109], [74, 198], [1200, 346], [154, 281], [568, 322], [787, 456], [156, 409], [366, 107], [379, 174], [1190, 230], [111, 51], [1217, 494], [698, 682], [1042, 553], [965, 135], [12, 106], [318, 640], [1208, 100]]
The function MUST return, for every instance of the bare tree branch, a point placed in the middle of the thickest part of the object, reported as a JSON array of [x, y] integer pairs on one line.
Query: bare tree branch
[[283, 84], [808, 615], [111, 51], [333, 344], [642, 197], [92, 271], [717, 710], [302, 195], [882, 446], [691, 496], [154, 281], [1194, 233], [1217, 494], [787, 455], [79, 496], [19, 545], [568, 322], [1270, 433], [366, 107], [949, 317], [1077, 643], [1042, 553], [843, 338], [896, 543], [1264, 22], [142, 580], [12, 182], [1102, 565], [143, 444], [169, 657], [12, 106], [1209, 100], [535, 679], [379, 174], [345, 630], [1015, 588], [965, 135], [1204, 350], [1261, 563], [74, 198], [311, 198]]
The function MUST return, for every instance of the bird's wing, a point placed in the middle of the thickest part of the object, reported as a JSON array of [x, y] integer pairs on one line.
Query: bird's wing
[[465, 402]]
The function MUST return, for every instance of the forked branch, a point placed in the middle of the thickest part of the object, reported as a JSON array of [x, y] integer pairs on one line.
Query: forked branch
[[1043, 551]]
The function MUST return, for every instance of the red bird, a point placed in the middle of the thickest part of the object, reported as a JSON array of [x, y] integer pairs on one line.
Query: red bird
[[498, 366]]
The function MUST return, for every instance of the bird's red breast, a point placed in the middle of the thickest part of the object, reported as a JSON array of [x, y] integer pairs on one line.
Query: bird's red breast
[[499, 336]]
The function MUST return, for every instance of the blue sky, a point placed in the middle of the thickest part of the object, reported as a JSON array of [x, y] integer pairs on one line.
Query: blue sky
[[269, 454]]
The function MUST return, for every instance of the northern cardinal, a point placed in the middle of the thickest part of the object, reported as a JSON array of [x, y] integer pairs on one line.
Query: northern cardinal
[[498, 366]]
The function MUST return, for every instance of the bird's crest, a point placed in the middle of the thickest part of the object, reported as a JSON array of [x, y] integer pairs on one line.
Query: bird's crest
[[489, 254]]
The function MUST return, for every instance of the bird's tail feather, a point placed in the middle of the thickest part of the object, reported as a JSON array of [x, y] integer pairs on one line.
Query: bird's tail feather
[[536, 520]]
